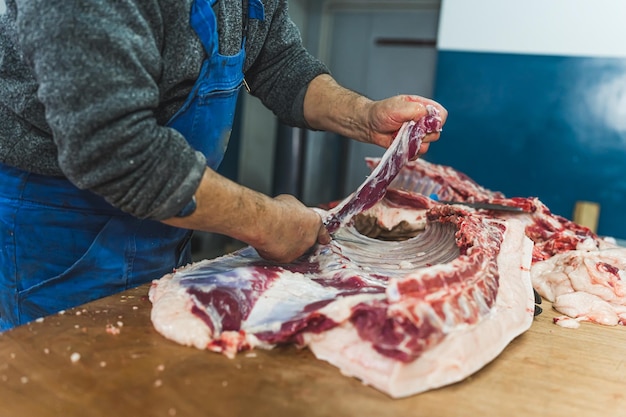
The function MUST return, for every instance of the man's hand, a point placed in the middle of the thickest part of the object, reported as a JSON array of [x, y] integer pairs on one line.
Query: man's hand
[[290, 230], [385, 118], [329, 106]]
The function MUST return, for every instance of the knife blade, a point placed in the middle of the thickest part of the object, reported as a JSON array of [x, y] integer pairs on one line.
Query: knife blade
[[485, 206]]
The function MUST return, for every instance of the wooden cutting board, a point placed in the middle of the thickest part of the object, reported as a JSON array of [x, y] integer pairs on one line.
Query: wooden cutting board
[[548, 371]]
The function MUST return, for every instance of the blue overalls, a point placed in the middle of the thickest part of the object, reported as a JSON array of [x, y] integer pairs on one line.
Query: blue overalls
[[62, 246]]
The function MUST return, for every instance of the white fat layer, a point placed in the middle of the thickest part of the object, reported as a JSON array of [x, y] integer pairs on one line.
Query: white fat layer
[[172, 317], [581, 285], [285, 300]]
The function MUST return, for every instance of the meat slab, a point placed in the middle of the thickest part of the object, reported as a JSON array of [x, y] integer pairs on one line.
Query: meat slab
[[403, 149], [404, 316], [582, 274]]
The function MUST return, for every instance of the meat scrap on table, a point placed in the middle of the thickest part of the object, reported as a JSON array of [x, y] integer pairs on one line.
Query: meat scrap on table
[[411, 294]]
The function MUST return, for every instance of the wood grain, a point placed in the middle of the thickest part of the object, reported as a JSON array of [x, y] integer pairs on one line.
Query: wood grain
[[587, 213], [548, 371]]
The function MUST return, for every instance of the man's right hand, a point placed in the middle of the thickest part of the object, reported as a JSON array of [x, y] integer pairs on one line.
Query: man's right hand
[[290, 231]]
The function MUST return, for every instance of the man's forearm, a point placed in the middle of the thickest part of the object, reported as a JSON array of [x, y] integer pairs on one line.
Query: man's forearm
[[279, 228], [329, 106], [227, 208]]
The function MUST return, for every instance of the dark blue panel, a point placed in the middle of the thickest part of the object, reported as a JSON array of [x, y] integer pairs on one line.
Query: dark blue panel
[[545, 126]]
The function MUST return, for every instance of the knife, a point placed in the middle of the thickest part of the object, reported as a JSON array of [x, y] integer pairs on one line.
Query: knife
[[485, 206]]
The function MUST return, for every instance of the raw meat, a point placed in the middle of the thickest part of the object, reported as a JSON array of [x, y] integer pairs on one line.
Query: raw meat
[[551, 233], [375, 309], [405, 148], [579, 272], [585, 284], [468, 330], [403, 316]]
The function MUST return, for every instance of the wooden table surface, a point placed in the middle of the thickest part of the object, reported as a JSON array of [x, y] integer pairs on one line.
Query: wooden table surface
[[548, 371]]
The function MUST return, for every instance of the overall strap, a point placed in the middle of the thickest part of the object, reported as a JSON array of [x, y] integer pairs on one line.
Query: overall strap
[[203, 21]]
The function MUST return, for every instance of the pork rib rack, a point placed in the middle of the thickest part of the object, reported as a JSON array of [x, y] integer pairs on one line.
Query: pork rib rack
[[403, 316]]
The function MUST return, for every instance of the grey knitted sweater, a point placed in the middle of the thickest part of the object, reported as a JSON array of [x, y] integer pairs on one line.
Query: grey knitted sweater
[[86, 87]]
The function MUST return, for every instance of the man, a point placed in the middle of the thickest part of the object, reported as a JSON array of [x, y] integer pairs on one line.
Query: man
[[115, 116]]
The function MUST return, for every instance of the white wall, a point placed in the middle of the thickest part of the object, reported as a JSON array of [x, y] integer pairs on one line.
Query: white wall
[[3, 7], [592, 28]]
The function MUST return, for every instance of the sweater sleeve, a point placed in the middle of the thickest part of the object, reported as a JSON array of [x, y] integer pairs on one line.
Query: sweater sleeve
[[97, 65], [283, 68]]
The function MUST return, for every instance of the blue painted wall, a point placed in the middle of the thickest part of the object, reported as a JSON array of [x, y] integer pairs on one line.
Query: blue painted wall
[[553, 127], [536, 92]]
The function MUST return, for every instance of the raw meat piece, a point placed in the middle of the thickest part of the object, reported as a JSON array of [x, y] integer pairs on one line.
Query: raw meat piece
[[404, 316], [587, 284], [403, 149], [579, 272], [378, 300], [551, 233], [463, 350], [425, 178]]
